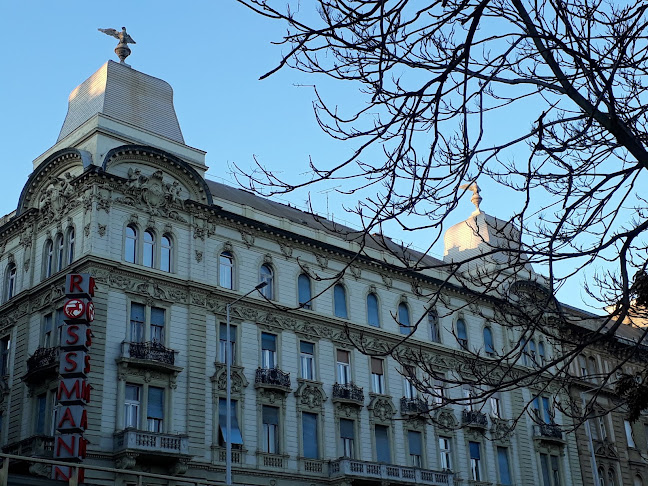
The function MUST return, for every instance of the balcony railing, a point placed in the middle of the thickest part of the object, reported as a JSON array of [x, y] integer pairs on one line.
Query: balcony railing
[[551, 432], [388, 473], [153, 442], [34, 446], [153, 351], [413, 406], [474, 418], [348, 392], [272, 377], [43, 361]]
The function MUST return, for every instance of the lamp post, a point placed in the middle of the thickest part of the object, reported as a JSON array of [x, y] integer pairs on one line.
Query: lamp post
[[228, 386]]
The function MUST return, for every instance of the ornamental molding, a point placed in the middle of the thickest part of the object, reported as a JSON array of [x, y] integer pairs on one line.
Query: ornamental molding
[[310, 395], [322, 260], [347, 411], [238, 382], [381, 408], [286, 249], [271, 396], [446, 419]]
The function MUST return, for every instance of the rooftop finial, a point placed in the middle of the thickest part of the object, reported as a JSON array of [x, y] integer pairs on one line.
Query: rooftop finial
[[122, 50], [476, 198]]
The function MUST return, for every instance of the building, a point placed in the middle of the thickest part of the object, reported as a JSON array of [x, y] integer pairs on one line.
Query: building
[[121, 196]]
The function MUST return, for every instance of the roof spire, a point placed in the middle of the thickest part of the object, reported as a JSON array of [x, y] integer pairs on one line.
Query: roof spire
[[122, 50]]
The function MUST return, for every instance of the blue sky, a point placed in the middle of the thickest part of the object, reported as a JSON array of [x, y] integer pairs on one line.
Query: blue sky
[[212, 54]]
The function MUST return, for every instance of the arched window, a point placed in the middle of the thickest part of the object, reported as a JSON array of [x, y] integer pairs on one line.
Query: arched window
[[462, 334], [60, 252], [541, 351], [226, 270], [130, 245], [488, 342], [166, 249], [373, 317], [304, 291], [266, 274], [611, 477], [10, 281], [532, 350], [525, 351], [48, 258], [433, 321], [148, 253], [601, 475], [592, 368], [70, 245], [637, 481], [339, 299], [404, 323]]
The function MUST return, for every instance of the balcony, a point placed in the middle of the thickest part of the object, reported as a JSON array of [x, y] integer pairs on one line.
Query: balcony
[[272, 378], [42, 365], [348, 393], [413, 406], [149, 355], [151, 443], [548, 433], [219, 454], [474, 418], [34, 446], [387, 473]]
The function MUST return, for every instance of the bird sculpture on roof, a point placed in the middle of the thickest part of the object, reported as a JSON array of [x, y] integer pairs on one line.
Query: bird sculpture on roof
[[122, 50]]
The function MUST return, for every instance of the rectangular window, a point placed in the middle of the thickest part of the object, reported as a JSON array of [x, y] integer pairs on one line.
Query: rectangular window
[[550, 466], [270, 439], [496, 406], [555, 471], [469, 396], [222, 342], [307, 360], [503, 464], [602, 428], [47, 340], [5, 348], [546, 410], [137, 320], [41, 414], [157, 325], [544, 466], [237, 438], [439, 395], [155, 409], [445, 452], [343, 367], [132, 406], [475, 461], [268, 350], [629, 435], [377, 375], [309, 435], [383, 452], [59, 320], [415, 443], [409, 377], [347, 436]]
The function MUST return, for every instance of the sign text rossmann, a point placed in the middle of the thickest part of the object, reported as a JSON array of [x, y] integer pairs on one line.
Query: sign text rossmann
[[73, 392]]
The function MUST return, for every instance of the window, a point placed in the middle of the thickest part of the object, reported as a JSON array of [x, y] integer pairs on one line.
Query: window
[[140, 315], [41, 413], [542, 355], [70, 246], [532, 351], [155, 409], [469, 398], [433, 321], [309, 435], [611, 477], [475, 460], [130, 245], [592, 368], [237, 438], [10, 281], [601, 476], [404, 319], [307, 360], [60, 252], [347, 435], [462, 336], [550, 467], [439, 393], [339, 299], [496, 406], [409, 379], [373, 316], [222, 341], [637, 481], [383, 451], [304, 290], [415, 448], [267, 276], [629, 434], [270, 439], [547, 410], [488, 342], [377, 375], [48, 258], [503, 466], [45, 413], [226, 270], [5, 349], [148, 253], [132, 406], [445, 453], [343, 367], [47, 337], [166, 252], [268, 350], [582, 366]]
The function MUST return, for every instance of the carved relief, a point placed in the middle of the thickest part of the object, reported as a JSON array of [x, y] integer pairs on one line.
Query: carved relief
[[416, 288], [101, 230], [57, 197], [381, 408], [158, 197], [248, 238], [322, 260], [446, 419], [387, 280], [86, 230], [237, 380], [345, 410], [286, 250], [355, 270], [310, 395], [199, 256]]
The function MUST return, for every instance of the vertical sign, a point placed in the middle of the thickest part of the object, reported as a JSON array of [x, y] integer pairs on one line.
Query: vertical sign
[[74, 365]]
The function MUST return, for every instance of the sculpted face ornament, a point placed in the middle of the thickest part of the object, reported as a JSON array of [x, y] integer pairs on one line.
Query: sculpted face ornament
[[122, 50]]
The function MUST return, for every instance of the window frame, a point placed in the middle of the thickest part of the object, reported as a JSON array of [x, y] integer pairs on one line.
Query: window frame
[[415, 460], [147, 323], [305, 440], [347, 445], [387, 441], [370, 312], [274, 354], [307, 361], [434, 325], [270, 433], [475, 463], [269, 276], [405, 329], [461, 333], [445, 452], [135, 246], [340, 301], [489, 341], [225, 268], [222, 342], [48, 258], [70, 245], [11, 281], [342, 369], [304, 285], [377, 379]]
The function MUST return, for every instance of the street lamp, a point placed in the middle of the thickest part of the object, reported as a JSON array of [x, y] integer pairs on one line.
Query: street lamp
[[228, 386]]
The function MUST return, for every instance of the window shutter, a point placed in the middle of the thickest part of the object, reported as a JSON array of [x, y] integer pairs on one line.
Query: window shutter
[[414, 439], [377, 366], [342, 356], [155, 402], [346, 429], [270, 415], [474, 450], [308, 348], [268, 342], [157, 316]]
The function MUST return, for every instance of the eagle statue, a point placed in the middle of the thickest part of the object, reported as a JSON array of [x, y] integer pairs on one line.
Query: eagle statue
[[122, 50]]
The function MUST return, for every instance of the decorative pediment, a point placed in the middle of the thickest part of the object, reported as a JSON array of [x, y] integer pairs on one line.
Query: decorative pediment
[[446, 419], [605, 448], [381, 408], [310, 395], [237, 380]]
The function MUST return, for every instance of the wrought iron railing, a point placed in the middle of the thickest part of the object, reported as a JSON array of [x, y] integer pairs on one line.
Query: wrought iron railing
[[153, 351], [549, 431], [411, 406], [272, 376], [474, 418], [42, 358], [348, 391]]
